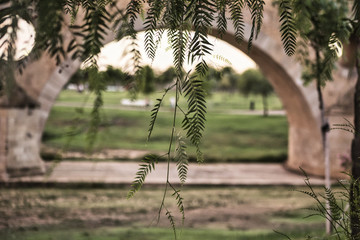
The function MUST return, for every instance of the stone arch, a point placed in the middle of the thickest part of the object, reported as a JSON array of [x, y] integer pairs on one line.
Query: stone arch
[[301, 104], [305, 148]]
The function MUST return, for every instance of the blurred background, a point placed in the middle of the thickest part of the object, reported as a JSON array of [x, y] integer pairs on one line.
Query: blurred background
[[256, 131]]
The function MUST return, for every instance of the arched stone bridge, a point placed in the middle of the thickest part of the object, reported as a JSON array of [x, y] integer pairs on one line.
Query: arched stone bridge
[[21, 129]]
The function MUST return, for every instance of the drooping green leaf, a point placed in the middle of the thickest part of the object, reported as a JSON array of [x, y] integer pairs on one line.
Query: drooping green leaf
[[147, 165], [179, 203], [154, 15], [287, 28], [181, 160], [236, 8], [257, 14], [194, 121], [154, 113], [172, 222], [221, 17]]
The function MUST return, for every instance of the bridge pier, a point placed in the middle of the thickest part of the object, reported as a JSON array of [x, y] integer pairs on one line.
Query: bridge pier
[[20, 142], [3, 147]]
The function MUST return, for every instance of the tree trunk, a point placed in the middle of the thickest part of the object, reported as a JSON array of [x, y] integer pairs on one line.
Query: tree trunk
[[265, 106], [324, 129], [355, 156], [3, 147]]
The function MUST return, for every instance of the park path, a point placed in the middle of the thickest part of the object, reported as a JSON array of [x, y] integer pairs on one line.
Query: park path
[[123, 173]]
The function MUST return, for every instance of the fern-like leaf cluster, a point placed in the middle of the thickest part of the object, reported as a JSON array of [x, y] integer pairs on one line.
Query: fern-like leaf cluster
[[257, 13], [337, 212], [179, 203], [172, 222], [48, 32], [154, 15], [221, 17], [335, 209], [348, 126], [237, 18], [181, 159], [154, 114], [201, 19], [147, 165], [10, 64], [132, 11], [96, 24], [8, 38], [194, 121], [178, 41], [287, 29]]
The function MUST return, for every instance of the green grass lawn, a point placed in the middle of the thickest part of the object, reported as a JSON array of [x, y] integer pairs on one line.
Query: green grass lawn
[[226, 138], [217, 101]]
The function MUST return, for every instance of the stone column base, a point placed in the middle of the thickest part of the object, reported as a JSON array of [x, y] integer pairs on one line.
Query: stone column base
[[20, 142], [3, 144]]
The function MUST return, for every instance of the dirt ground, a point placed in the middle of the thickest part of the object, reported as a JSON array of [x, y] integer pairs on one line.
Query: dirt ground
[[226, 208], [246, 203]]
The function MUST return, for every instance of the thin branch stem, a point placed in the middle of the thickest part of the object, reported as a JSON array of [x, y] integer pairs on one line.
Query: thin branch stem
[[170, 147]]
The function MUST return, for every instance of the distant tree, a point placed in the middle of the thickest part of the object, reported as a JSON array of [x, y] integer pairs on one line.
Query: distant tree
[[167, 77], [146, 80], [115, 76], [253, 81], [211, 80], [80, 77], [228, 79]]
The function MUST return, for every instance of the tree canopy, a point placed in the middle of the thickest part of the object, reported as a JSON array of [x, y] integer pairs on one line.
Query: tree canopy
[[252, 81], [146, 80]]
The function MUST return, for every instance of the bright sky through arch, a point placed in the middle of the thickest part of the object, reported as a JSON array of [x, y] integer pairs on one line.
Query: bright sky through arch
[[24, 41], [115, 53], [224, 54]]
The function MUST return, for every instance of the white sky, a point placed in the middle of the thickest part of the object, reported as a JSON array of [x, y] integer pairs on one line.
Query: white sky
[[224, 54], [25, 39], [115, 53]]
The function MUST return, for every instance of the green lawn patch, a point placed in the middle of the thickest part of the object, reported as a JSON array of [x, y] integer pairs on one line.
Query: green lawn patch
[[217, 101], [227, 138]]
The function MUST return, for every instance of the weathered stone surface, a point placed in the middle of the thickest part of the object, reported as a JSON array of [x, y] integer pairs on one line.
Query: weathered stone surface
[[3, 144], [23, 141]]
